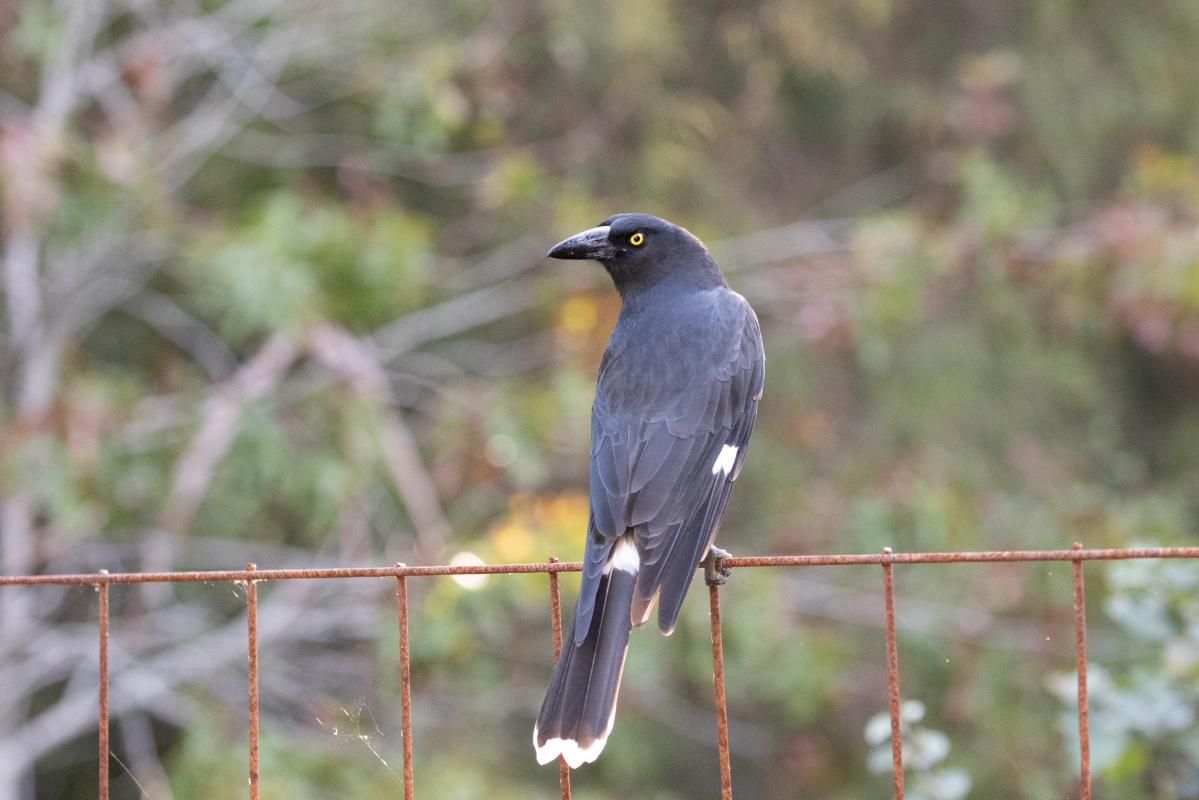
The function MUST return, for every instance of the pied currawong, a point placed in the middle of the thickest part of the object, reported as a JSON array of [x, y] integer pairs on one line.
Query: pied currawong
[[675, 403]]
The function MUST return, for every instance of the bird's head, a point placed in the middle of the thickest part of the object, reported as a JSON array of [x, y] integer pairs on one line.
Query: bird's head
[[641, 250]]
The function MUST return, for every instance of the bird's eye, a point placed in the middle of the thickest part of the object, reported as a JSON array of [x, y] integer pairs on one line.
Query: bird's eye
[[637, 239]]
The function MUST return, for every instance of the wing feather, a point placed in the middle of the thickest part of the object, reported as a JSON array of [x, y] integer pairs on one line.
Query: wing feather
[[656, 435]]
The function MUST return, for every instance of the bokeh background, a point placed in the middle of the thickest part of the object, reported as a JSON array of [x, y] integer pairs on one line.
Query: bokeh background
[[274, 291]]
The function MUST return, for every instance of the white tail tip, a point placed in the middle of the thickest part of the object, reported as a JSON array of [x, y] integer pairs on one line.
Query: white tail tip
[[569, 749]]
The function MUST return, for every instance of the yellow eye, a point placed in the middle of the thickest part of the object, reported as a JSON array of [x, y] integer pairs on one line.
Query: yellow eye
[[637, 239]]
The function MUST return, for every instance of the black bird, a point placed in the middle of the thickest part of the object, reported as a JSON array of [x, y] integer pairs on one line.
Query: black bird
[[675, 403]]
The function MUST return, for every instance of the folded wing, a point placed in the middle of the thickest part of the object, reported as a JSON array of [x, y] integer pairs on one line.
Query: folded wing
[[666, 448]]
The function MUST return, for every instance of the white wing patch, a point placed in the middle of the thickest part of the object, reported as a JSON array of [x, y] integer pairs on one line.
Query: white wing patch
[[624, 557], [725, 461]]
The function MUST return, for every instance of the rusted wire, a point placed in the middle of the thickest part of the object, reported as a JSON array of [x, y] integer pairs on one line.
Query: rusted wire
[[1113, 554], [722, 714], [252, 679], [893, 679], [1080, 657], [405, 682], [251, 576], [984, 556], [102, 590], [216, 576], [556, 626]]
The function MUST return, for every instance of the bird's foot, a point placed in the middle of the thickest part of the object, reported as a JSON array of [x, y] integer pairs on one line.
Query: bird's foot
[[715, 573]]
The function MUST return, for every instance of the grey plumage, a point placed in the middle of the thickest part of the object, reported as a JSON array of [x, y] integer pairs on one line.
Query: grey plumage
[[676, 398]]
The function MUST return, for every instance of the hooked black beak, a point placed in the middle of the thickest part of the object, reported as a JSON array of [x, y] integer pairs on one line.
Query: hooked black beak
[[592, 243]]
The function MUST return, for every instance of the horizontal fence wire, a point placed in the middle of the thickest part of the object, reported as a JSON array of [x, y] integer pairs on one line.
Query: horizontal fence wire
[[251, 576], [844, 560]]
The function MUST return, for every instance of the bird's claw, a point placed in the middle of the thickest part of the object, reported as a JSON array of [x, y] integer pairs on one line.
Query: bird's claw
[[715, 573]]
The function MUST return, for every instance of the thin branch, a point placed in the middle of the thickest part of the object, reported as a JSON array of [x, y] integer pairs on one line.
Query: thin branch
[[454, 316], [802, 239], [23, 293], [340, 351], [183, 330], [137, 735], [151, 684], [222, 412], [61, 82]]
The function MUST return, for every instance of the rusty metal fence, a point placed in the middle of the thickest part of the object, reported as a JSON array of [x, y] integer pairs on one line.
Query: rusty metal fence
[[400, 573]]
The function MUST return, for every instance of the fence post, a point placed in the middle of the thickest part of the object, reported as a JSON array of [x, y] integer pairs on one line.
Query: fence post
[[405, 681], [252, 677], [556, 626], [1080, 659], [722, 714], [252, 651], [893, 677], [102, 590]]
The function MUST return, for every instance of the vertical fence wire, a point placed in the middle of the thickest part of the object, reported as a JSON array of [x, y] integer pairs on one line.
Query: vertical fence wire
[[252, 675], [556, 626], [405, 682], [102, 590], [893, 679], [1080, 659], [722, 714]]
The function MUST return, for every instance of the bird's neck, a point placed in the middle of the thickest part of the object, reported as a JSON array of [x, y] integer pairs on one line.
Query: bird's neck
[[647, 285], [659, 306]]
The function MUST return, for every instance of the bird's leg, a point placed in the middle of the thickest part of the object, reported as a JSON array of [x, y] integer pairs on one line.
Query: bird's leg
[[715, 573]]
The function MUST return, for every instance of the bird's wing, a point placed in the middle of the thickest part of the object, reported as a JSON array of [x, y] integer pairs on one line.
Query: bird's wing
[[668, 439]]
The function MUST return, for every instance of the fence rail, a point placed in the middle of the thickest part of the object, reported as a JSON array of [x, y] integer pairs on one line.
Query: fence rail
[[251, 576]]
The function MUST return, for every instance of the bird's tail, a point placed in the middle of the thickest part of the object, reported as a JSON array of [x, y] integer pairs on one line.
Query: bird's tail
[[580, 704]]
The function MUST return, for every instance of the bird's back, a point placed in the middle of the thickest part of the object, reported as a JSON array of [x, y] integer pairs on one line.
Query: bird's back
[[674, 345]]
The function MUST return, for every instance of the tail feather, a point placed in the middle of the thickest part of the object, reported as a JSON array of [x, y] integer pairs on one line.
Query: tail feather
[[580, 704]]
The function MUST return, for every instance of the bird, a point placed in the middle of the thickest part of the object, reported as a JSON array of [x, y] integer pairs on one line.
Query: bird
[[675, 402]]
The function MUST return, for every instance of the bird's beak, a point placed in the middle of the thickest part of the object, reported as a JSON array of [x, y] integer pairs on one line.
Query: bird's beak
[[592, 243]]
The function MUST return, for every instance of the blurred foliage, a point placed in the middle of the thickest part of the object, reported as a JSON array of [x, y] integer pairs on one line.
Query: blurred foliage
[[923, 751], [288, 304], [1143, 735]]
